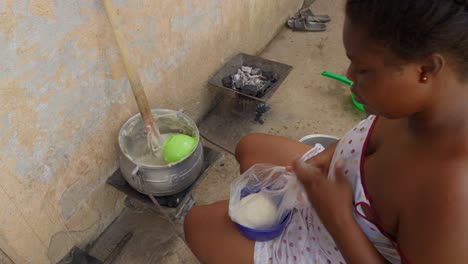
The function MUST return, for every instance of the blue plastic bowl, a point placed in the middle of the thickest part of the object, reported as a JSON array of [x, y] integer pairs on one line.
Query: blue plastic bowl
[[264, 235]]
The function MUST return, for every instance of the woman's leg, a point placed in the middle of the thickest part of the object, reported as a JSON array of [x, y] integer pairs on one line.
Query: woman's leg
[[264, 148], [213, 237], [209, 231]]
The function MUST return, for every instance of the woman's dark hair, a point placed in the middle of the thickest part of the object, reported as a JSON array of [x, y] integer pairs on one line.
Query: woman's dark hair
[[414, 29]]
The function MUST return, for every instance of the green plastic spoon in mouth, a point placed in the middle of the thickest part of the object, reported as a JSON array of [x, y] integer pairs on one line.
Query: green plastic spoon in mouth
[[347, 81]]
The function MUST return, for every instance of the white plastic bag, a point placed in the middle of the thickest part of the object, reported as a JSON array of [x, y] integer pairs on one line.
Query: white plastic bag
[[265, 194]]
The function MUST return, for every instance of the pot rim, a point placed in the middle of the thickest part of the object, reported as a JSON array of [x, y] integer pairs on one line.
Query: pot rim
[[157, 111]]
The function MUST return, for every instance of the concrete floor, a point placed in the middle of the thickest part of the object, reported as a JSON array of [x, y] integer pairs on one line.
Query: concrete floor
[[145, 236], [305, 103]]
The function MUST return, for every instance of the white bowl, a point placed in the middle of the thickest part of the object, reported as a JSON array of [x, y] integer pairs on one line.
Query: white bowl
[[324, 140]]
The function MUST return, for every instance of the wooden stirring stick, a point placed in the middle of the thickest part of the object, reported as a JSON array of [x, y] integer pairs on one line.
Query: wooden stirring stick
[[151, 129]]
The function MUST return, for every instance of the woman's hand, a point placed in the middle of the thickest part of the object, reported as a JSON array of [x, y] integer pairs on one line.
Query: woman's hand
[[332, 199], [324, 158]]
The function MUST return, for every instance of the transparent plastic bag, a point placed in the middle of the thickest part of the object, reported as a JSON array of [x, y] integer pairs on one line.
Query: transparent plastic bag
[[265, 194]]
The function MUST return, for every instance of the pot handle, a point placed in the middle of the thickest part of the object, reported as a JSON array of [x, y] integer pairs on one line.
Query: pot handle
[[135, 173]]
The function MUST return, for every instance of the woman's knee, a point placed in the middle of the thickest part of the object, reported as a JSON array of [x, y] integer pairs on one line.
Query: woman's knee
[[190, 223], [247, 144]]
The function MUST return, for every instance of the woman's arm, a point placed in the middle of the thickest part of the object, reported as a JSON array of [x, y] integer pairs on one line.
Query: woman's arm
[[333, 201], [353, 243], [434, 226]]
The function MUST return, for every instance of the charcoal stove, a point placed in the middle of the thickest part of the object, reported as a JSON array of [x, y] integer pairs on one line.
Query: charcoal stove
[[176, 205], [279, 70]]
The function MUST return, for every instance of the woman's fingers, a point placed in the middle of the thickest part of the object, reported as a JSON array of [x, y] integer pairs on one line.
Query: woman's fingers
[[305, 171]]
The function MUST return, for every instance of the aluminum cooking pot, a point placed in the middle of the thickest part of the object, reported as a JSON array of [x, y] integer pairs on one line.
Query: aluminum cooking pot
[[166, 179]]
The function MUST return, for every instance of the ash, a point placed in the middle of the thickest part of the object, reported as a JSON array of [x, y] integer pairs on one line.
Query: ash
[[251, 81]]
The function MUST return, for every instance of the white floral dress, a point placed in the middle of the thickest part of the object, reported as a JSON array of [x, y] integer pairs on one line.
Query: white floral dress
[[306, 240]]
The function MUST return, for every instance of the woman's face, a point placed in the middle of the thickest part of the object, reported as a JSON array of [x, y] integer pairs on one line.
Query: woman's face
[[385, 85]]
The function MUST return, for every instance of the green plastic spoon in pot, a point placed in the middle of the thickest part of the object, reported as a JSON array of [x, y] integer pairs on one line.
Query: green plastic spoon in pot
[[177, 147]]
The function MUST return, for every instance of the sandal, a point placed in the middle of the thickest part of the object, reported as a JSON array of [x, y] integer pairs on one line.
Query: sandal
[[304, 25], [309, 16]]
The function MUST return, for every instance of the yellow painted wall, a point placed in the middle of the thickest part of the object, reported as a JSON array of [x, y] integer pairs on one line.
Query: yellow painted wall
[[64, 95]]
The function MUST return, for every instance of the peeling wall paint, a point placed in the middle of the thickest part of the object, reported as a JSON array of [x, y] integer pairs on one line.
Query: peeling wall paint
[[64, 94]]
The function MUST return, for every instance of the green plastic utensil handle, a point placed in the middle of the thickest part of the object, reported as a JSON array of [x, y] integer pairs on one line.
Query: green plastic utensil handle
[[338, 77], [358, 105], [347, 81]]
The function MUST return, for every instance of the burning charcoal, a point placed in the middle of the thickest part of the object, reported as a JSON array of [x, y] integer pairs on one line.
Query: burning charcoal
[[250, 90], [256, 71], [266, 85], [246, 69], [238, 82], [227, 81], [272, 76], [240, 75], [251, 80], [258, 82]]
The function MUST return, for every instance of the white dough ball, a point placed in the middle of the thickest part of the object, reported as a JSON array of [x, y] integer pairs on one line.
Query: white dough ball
[[256, 211]]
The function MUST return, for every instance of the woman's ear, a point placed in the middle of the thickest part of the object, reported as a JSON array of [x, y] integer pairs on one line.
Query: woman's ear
[[431, 66]]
